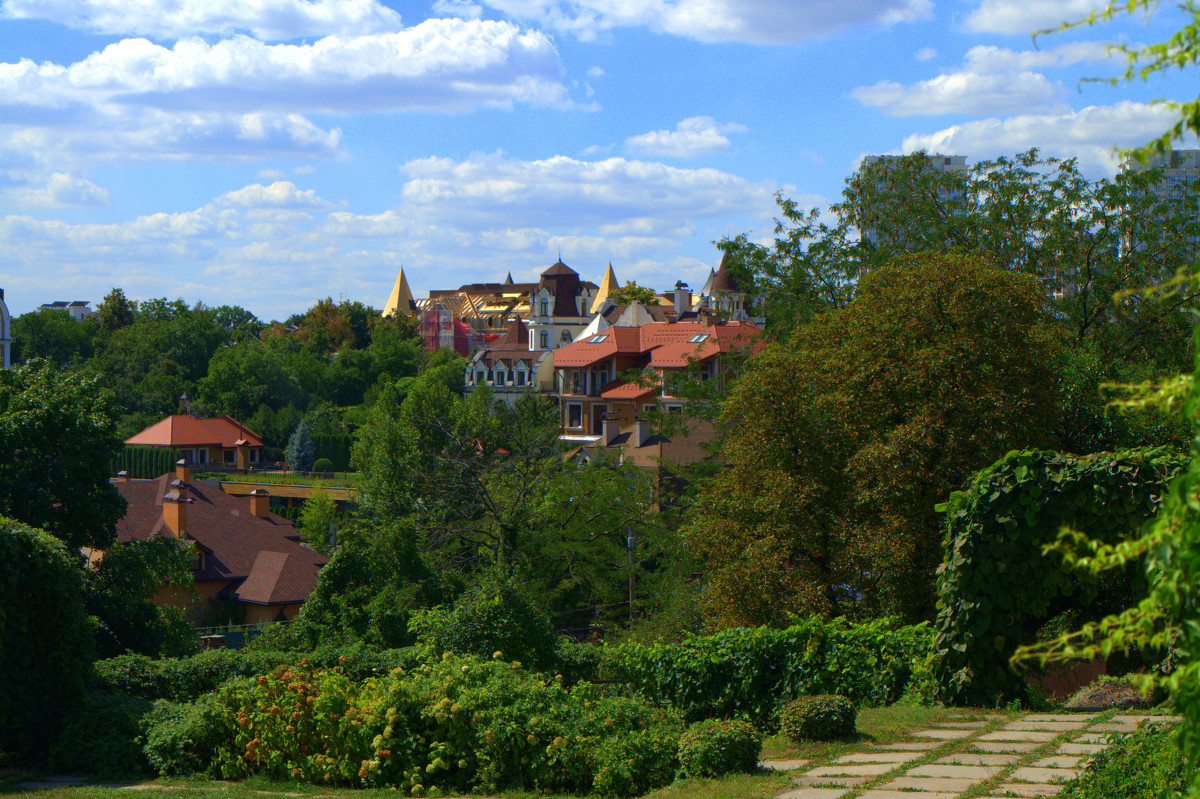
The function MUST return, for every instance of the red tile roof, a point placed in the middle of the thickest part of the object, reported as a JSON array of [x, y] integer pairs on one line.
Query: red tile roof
[[262, 563], [185, 430], [667, 343], [627, 391]]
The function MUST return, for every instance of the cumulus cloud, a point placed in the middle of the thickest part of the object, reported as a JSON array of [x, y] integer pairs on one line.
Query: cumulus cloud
[[1024, 17], [993, 80], [473, 218], [925, 53], [59, 191], [173, 19], [280, 194], [1089, 134], [458, 8], [692, 137], [753, 21]]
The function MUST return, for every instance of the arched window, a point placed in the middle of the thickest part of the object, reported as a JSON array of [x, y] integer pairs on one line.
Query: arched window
[[566, 337], [545, 340]]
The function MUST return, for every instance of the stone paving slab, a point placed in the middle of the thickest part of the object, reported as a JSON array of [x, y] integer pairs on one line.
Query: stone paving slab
[[1111, 727], [944, 735], [782, 764], [1060, 761], [848, 781], [1022, 747], [946, 771], [1047, 726], [1092, 738], [1060, 717], [1026, 789], [876, 793], [932, 784], [974, 759], [814, 793], [1081, 749], [962, 724], [1130, 718], [1029, 736], [1045, 775], [852, 770], [894, 758], [911, 746]]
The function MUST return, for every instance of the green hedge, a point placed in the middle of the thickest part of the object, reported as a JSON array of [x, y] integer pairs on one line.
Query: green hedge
[[144, 462], [185, 679], [752, 673], [336, 448]]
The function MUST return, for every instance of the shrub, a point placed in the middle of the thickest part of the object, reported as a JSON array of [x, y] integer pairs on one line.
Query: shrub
[[101, 738], [180, 737], [714, 747], [578, 662], [818, 718], [45, 638], [322, 465], [751, 672], [488, 619], [1146, 764]]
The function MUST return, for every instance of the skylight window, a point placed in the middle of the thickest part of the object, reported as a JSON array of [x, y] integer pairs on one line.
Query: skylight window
[[697, 339], [598, 339]]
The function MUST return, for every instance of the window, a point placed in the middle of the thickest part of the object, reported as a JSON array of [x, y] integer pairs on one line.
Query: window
[[697, 339], [228, 456], [674, 409], [254, 456], [201, 456], [566, 337], [491, 376], [545, 340], [598, 339], [545, 308], [480, 376], [574, 415], [520, 377], [499, 378]]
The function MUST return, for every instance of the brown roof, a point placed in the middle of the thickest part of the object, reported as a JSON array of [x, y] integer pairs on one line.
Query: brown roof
[[724, 279], [721, 338], [258, 557], [563, 282], [185, 430]]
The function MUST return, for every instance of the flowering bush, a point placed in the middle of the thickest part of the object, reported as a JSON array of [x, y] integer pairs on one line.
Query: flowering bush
[[714, 747]]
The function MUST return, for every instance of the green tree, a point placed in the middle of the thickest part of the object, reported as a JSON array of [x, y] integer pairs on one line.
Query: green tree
[[317, 518], [115, 311], [631, 292], [300, 451], [244, 376], [57, 439], [52, 334], [45, 638], [843, 440]]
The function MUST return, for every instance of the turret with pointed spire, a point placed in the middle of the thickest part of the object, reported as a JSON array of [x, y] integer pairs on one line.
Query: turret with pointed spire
[[400, 302], [608, 286]]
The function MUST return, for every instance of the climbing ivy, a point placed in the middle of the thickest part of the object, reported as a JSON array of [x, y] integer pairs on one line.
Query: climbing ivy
[[995, 586]]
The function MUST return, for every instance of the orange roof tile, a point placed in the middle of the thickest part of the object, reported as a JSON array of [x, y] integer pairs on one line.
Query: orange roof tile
[[185, 430]]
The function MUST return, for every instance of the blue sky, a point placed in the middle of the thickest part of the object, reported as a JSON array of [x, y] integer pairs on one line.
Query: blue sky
[[268, 153]]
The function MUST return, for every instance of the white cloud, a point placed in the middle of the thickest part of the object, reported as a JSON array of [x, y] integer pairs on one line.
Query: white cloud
[[242, 98], [280, 194], [173, 19], [1089, 134], [925, 53], [692, 137], [754, 21], [59, 191], [304, 169], [272, 174], [1025, 17], [458, 8], [595, 72], [994, 80]]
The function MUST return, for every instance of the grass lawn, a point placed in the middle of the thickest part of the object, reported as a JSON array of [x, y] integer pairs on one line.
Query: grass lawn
[[875, 726], [339, 480]]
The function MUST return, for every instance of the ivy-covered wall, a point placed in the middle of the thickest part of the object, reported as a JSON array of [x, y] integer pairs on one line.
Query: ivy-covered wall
[[996, 586]]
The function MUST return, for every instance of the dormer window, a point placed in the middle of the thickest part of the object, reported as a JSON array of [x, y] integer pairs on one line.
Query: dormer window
[[545, 308]]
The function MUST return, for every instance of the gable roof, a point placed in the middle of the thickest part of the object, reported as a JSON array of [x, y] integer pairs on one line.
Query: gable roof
[[667, 343], [259, 557], [185, 430]]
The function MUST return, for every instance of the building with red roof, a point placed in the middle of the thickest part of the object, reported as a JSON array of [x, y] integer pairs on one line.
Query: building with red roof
[[241, 551], [199, 441], [590, 371]]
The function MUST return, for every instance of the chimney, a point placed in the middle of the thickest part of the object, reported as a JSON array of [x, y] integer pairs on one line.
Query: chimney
[[122, 476], [175, 504], [641, 431], [260, 502], [243, 453], [683, 297], [183, 472], [610, 427]]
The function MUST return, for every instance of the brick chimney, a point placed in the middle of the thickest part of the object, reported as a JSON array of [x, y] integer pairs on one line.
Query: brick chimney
[[175, 504], [183, 472], [683, 298], [260, 502], [610, 428], [122, 476], [243, 453], [641, 431]]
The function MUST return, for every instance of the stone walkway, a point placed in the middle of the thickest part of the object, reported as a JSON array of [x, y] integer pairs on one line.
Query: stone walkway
[[1028, 757]]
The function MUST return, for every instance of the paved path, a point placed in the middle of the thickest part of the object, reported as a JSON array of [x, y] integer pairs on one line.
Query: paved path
[[1028, 757]]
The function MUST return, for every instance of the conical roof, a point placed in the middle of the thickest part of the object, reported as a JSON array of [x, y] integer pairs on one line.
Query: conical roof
[[724, 280], [607, 286], [400, 302]]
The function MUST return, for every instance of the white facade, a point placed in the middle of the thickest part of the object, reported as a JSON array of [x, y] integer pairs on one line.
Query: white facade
[[5, 333]]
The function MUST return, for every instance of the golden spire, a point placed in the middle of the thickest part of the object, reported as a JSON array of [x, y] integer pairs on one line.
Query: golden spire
[[607, 286], [400, 303]]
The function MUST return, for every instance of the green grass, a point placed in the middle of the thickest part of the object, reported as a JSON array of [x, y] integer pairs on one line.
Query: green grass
[[339, 479]]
